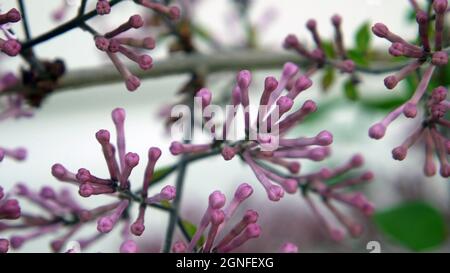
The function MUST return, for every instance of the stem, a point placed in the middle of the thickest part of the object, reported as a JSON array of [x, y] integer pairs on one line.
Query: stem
[[176, 205], [25, 25], [74, 23]]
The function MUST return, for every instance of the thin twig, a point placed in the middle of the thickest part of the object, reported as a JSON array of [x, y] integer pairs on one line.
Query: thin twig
[[26, 27]]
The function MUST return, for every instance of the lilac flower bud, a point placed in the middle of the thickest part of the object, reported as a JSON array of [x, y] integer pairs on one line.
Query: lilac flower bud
[[129, 246], [377, 131], [290, 185], [244, 79], [205, 95], [228, 153], [10, 47], [10, 209], [410, 110], [47, 193], [103, 7], [291, 41], [179, 247], [12, 16], [216, 200], [336, 20], [440, 6], [324, 138], [337, 235], [391, 82], [439, 94], [397, 49], [399, 153], [440, 58], [284, 104], [346, 66], [243, 192], [173, 12], [357, 161], [168, 193], [381, 30], [4, 246], [86, 190], [275, 193], [16, 241], [289, 248]]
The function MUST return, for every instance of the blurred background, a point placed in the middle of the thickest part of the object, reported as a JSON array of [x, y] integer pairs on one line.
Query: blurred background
[[63, 128]]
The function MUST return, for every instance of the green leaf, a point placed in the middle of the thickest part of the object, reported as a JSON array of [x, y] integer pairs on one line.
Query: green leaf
[[328, 48], [415, 225], [358, 57], [350, 90], [363, 38], [162, 172], [328, 78], [191, 229]]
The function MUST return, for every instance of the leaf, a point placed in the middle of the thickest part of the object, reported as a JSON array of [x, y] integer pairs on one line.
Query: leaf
[[358, 57], [350, 90], [160, 173], [328, 48], [328, 78], [415, 225], [363, 38], [191, 229]]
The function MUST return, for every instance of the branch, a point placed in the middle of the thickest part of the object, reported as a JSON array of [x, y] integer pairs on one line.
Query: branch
[[180, 64]]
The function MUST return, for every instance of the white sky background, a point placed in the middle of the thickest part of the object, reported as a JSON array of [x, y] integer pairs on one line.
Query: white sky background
[[63, 130]]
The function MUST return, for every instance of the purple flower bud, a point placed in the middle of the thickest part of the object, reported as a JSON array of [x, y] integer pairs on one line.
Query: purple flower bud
[[179, 247], [4, 246], [11, 47], [176, 148], [410, 110], [377, 131], [244, 79], [173, 12], [289, 248], [399, 153], [205, 95], [129, 246], [357, 161], [336, 20], [311, 24], [17, 241], [228, 153], [216, 200], [440, 6], [12, 16], [253, 231], [391, 82], [381, 30], [86, 190], [337, 235], [440, 58], [439, 94], [291, 41], [10, 209], [105, 224], [285, 104], [47, 193], [243, 192], [103, 136], [324, 138], [168, 193], [103, 7], [290, 185], [275, 192]]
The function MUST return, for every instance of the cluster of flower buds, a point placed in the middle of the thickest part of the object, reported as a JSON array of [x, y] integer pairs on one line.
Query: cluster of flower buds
[[10, 46], [317, 56], [333, 185], [118, 182], [172, 12], [273, 122], [216, 216], [429, 132], [422, 56], [112, 45], [9, 210]]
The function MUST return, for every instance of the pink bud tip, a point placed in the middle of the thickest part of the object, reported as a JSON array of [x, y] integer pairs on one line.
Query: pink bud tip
[[136, 21], [250, 217], [228, 153], [336, 20], [105, 224], [421, 17], [325, 173], [289, 70], [324, 138], [103, 136], [309, 106], [205, 95], [13, 15], [290, 186], [439, 94], [176, 148], [154, 153], [168, 193], [132, 83], [101, 43], [294, 167], [118, 115], [216, 200], [217, 217], [289, 248], [132, 159], [440, 58], [445, 170], [440, 6], [57, 245], [243, 192], [129, 246], [380, 30], [174, 12], [284, 104], [290, 41], [179, 247], [103, 7], [390, 82], [244, 78], [270, 84], [410, 110], [253, 231], [4, 246], [337, 235], [318, 154], [368, 176], [17, 241], [47, 193], [59, 171], [86, 190], [347, 66], [311, 24], [113, 45], [11, 47], [397, 49], [357, 161], [137, 228], [377, 131], [83, 175], [275, 193], [10, 209], [303, 83], [145, 62], [356, 230]]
